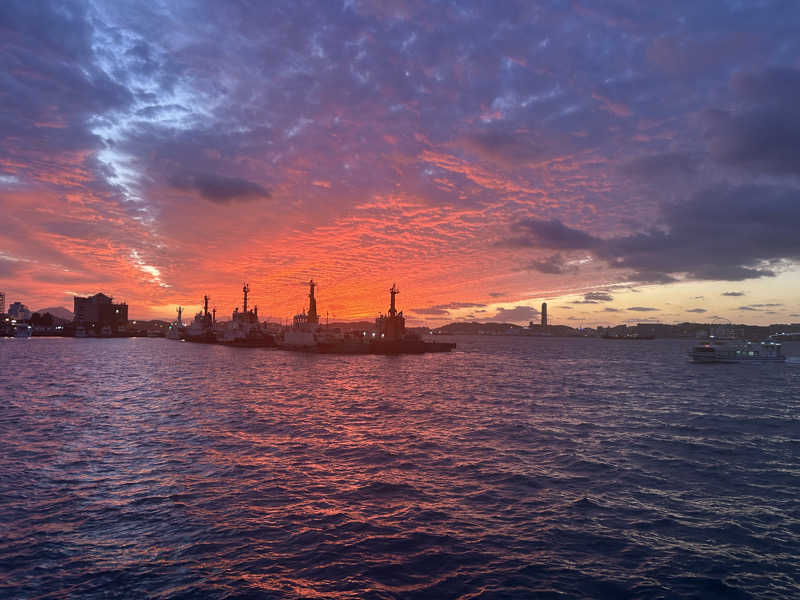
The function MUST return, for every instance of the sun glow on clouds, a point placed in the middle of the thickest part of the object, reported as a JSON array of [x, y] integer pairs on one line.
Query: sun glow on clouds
[[208, 145], [154, 273]]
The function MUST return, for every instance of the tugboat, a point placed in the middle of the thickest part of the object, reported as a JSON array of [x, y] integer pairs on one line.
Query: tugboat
[[202, 328], [176, 330], [244, 330], [391, 336], [302, 335]]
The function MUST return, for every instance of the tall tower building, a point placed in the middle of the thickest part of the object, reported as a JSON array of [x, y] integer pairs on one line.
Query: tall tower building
[[544, 314], [2, 303]]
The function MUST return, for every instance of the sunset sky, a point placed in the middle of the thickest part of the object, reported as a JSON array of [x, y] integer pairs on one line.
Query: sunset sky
[[623, 161]]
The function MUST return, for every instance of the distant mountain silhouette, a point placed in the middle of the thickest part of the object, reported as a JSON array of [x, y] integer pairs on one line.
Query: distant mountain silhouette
[[57, 311], [351, 325]]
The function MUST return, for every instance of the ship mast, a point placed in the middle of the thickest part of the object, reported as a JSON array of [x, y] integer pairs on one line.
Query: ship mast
[[312, 304], [205, 306], [394, 291], [180, 312], [245, 290]]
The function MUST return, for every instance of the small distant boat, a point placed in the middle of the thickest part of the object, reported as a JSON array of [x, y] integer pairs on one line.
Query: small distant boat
[[793, 336], [736, 352]]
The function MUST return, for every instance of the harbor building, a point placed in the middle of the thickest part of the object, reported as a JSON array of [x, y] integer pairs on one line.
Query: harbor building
[[19, 311], [544, 314], [100, 312]]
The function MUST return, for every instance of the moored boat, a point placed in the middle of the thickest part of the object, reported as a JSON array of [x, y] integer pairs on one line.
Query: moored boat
[[392, 338], [244, 329], [302, 335], [176, 330], [201, 330]]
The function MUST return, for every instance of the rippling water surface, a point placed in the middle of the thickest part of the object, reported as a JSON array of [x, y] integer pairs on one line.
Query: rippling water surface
[[510, 468]]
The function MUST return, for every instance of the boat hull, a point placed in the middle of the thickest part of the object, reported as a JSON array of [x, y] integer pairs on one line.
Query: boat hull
[[408, 347], [203, 338], [265, 342]]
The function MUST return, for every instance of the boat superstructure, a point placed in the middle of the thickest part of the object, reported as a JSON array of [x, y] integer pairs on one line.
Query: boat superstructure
[[201, 330], [176, 329], [244, 328], [302, 335], [391, 336], [724, 351]]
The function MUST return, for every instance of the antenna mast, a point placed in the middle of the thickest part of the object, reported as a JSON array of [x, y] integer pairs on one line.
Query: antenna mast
[[394, 291]]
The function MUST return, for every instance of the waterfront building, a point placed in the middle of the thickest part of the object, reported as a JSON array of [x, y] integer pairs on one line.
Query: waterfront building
[[19, 311], [100, 312], [2, 303]]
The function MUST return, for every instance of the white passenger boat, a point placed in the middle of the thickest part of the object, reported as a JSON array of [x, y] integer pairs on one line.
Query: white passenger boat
[[737, 352], [23, 330]]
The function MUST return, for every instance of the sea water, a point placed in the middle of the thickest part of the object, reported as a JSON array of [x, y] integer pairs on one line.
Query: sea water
[[509, 468]]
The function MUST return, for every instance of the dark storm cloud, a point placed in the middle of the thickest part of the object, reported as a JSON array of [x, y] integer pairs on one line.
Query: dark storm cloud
[[765, 134], [765, 139], [598, 296], [553, 265], [510, 146], [668, 165], [760, 306], [533, 233], [594, 298], [720, 233], [516, 314], [218, 188], [51, 86]]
